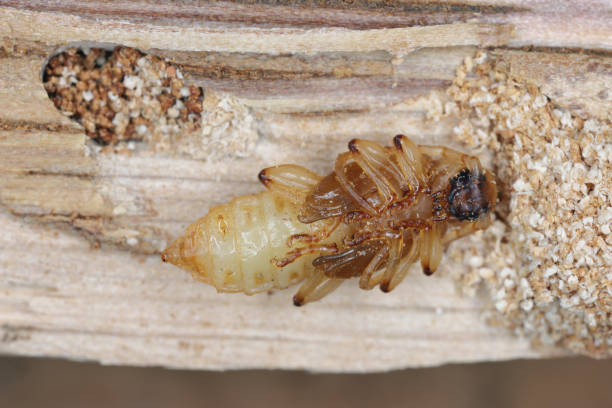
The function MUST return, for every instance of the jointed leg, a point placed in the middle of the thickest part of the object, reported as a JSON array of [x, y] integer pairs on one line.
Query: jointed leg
[[409, 161], [395, 253], [394, 275], [460, 160], [316, 287], [431, 249], [292, 181], [294, 254], [466, 229], [341, 164], [318, 236], [371, 157], [367, 280], [376, 163]]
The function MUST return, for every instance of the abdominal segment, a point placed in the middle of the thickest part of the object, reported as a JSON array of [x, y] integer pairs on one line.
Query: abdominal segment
[[247, 245]]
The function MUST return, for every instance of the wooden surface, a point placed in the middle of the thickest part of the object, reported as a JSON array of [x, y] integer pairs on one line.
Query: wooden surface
[[312, 77]]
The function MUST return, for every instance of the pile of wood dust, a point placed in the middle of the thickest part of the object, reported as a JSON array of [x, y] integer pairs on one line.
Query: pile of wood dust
[[547, 261]]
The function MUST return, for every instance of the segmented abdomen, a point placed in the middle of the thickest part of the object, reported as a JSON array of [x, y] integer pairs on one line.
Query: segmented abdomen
[[236, 245]]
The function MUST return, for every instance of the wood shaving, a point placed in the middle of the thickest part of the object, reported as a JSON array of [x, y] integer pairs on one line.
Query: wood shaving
[[547, 263]]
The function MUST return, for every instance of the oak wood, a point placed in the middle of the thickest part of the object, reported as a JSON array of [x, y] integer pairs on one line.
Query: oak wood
[[313, 75]]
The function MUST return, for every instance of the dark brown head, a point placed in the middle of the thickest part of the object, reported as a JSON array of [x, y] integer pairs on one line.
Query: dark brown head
[[472, 194]]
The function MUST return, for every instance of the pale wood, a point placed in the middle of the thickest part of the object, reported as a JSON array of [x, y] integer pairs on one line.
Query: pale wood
[[313, 79]]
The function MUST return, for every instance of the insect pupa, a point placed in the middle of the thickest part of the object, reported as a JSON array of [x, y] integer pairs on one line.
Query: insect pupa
[[380, 210]]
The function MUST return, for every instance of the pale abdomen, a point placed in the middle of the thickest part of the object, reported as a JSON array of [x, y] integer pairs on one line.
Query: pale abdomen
[[236, 245]]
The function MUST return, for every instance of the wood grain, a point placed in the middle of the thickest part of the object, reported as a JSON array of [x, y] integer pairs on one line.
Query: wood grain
[[313, 75]]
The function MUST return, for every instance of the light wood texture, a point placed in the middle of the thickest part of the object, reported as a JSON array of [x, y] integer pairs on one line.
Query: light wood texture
[[313, 78]]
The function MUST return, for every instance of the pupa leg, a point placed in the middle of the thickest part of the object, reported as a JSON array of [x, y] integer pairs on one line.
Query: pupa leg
[[342, 163], [431, 249], [316, 287], [291, 181], [449, 154], [395, 273], [368, 279], [319, 236], [350, 263], [466, 229], [408, 156], [294, 254], [395, 253], [460, 160], [374, 160]]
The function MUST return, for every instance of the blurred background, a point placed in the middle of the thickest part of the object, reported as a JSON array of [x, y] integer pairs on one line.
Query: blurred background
[[571, 382]]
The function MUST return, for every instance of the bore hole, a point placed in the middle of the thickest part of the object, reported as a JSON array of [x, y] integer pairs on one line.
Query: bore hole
[[122, 94]]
